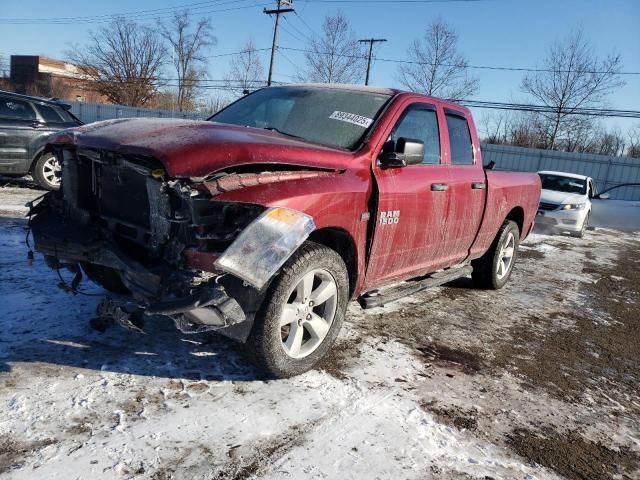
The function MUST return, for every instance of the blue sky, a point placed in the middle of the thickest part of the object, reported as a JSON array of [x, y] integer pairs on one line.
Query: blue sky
[[514, 33]]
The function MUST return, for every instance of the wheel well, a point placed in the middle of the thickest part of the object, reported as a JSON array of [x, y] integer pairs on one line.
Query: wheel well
[[36, 157], [517, 215], [342, 242]]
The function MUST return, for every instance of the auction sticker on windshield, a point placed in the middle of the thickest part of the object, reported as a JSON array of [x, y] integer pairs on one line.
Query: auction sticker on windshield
[[359, 120]]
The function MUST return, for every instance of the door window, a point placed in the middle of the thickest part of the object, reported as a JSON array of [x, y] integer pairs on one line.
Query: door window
[[49, 114], [460, 140], [12, 108], [420, 123]]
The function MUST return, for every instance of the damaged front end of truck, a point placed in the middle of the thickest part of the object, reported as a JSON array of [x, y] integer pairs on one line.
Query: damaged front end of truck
[[165, 246]]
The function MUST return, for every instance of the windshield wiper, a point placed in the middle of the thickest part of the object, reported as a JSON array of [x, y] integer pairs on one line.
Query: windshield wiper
[[274, 129]]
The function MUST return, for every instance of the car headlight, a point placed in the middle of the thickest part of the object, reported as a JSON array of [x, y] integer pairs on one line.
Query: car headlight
[[265, 245], [573, 206]]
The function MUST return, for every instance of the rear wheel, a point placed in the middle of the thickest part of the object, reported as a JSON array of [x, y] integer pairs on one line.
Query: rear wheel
[[494, 268], [302, 313], [46, 172]]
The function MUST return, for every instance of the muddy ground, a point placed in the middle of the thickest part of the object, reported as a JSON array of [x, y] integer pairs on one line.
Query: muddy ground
[[538, 380]]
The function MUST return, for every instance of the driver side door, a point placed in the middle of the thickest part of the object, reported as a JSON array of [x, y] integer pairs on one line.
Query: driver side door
[[412, 203]]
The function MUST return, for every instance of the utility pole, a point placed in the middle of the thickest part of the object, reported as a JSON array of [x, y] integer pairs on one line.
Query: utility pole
[[370, 41], [278, 11]]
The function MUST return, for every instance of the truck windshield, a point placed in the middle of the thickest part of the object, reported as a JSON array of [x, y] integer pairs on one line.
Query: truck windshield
[[563, 184], [329, 116]]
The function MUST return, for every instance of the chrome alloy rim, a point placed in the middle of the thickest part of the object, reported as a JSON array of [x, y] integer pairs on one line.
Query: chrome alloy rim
[[51, 171], [505, 257], [308, 314]]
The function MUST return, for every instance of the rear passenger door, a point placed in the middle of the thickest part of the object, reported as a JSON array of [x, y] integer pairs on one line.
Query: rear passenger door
[[412, 203], [467, 184], [18, 126]]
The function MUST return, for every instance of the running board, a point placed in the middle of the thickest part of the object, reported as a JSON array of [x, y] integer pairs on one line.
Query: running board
[[435, 280]]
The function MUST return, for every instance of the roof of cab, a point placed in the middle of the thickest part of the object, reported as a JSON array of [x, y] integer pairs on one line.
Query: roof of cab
[[564, 174], [370, 89], [346, 86]]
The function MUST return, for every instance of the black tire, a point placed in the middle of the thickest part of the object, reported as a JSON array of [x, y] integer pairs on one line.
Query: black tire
[[265, 343], [485, 269], [585, 224], [41, 172]]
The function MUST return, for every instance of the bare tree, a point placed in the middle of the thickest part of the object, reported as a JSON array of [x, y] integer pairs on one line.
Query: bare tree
[[572, 76], [188, 42], [3, 66], [246, 71], [493, 127], [215, 103], [50, 87], [122, 61], [438, 68], [633, 142], [609, 143], [336, 56]]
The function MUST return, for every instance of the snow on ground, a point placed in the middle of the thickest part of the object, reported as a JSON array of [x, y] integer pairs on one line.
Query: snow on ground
[[449, 383]]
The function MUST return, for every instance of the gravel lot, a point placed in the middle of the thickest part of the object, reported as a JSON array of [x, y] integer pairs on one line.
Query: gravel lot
[[538, 380]]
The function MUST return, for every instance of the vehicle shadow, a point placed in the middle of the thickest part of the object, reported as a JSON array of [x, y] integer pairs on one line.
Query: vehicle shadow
[[161, 352], [464, 283], [41, 324], [19, 182]]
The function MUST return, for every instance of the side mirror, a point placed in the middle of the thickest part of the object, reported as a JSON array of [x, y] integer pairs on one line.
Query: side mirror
[[490, 165], [604, 196], [407, 152]]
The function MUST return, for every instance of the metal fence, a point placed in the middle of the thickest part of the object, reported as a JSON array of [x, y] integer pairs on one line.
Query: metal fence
[[606, 171], [93, 112]]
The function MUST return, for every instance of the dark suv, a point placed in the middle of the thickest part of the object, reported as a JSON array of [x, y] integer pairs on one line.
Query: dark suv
[[25, 124]]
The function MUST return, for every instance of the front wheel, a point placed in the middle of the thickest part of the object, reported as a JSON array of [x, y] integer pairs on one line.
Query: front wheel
[[583, 229], [302, 313], [494, 268], [46, 172]]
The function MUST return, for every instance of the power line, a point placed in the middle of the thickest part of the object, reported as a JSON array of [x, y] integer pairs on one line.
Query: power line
[[110, 16], [293, 35], [296, 67], [595, 112], [142, 17], [299, 32], [185, 6], [481, 67], [229, 54], [313, 32]]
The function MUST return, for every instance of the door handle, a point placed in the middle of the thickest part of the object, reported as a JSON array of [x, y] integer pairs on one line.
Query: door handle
[[439, 187], [478, 185]]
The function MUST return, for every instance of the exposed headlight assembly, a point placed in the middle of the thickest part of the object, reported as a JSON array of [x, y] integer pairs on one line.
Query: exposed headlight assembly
[[573, 206], [262, 248]]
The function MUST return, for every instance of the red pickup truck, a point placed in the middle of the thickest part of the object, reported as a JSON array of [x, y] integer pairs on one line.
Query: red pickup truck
[[264, 221]]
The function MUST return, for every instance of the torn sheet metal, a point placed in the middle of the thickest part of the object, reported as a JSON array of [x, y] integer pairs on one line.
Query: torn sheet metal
[[237, 181], [262, 248]]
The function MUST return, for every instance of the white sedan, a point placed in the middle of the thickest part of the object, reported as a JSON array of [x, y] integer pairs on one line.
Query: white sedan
[[565, 202]]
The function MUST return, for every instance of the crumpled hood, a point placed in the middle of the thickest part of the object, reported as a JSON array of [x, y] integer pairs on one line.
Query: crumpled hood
[[553, 196], [190, 148]]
